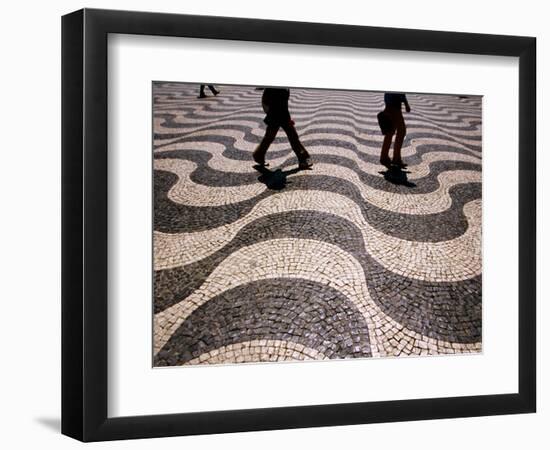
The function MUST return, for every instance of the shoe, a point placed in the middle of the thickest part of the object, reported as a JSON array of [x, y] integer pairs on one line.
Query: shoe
[[399, 164], [216, 92], [202, 96], [258, 160], [305, 164], [386, 162]]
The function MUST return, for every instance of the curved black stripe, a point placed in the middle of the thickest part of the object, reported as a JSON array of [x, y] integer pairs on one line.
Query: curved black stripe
[[297, 310], [200, 110], [446, 310], [208, 176], [362, 111], [252, 138], [175, 284], [231, 152], [328, 119], [434, 110], [326, 123], [433, 103], [449, 311], [171, 217]]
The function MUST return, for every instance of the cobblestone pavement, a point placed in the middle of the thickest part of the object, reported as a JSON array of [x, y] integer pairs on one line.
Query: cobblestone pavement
[[347, 260]]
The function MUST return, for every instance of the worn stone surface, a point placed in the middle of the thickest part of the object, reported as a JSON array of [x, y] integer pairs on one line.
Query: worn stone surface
[[342, 261]]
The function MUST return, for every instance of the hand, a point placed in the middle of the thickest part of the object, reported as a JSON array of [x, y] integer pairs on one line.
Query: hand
[[291, 122], [408, 108]]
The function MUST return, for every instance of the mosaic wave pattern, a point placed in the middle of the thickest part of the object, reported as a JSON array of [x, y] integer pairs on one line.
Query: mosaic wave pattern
[[347, 260]]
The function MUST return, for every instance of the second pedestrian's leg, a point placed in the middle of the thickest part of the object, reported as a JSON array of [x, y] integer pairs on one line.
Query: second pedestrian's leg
[[261, 149], [384, 153], [399, 137], [297, 147], [213, 89]]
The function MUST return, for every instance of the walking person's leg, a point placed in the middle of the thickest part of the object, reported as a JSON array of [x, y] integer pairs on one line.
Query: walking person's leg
[[401, 131], [384, 153], [213, 89], [261, 149], [201, 93], [387, 126], [301, 153]]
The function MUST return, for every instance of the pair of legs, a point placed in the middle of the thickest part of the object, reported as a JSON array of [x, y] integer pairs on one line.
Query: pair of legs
[[399, 130], [212, 89], [297, 147]]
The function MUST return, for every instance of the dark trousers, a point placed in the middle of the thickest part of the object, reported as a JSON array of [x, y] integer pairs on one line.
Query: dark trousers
[[271, 133], [399, 129], [211, 87]]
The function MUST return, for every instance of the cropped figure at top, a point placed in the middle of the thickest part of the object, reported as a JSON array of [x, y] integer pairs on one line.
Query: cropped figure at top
[[212, 89], [391, 122], [275, 105]]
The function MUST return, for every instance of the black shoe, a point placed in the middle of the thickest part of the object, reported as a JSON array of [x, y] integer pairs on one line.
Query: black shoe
[[399, 164], [305, 164], [259, 161], [386, 162]]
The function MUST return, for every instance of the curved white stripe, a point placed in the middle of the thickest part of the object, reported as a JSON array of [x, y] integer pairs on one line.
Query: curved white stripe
[[187, 192], [452, 260], [367, 130], [299, 259], [242, 144], [222, 163], [258, 350], [357, 99], [364, 117], [428, 103], [307, 94], [364, 107]]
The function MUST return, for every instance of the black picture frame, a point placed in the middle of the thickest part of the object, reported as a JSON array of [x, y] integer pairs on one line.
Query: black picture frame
[[84, 224]]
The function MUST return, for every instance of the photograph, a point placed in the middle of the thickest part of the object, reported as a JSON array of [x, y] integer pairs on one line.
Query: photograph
[[299, 224], [275, 225]]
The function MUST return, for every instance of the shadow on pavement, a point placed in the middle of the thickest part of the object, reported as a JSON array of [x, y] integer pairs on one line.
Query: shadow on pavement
[[397, 176], [275, 180]]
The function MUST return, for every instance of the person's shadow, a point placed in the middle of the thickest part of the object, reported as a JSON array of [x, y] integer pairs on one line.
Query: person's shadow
[[275, 180], [398, 176]]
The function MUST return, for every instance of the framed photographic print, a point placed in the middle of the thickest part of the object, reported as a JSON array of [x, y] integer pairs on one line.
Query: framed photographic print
[[274, 224]]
